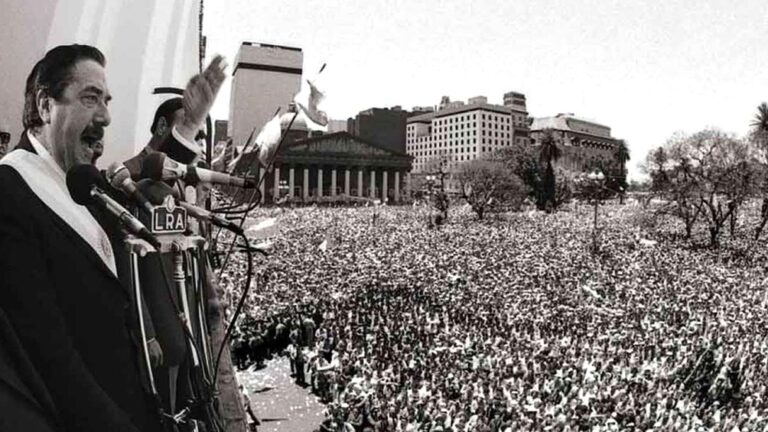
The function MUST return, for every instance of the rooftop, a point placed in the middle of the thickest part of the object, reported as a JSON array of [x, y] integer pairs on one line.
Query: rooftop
[[423, 118], [265, 45], [560, 122]]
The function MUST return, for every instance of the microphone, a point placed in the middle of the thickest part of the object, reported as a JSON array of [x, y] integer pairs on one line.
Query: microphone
[[120, 178], [204, 215], [156, 191], [85, 185], [158, 166]]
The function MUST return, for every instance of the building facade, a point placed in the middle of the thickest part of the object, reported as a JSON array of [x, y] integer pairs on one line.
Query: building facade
[[585, 144], [335, 167], [462, 132], [220, 131], [265, 78], [383, 126]]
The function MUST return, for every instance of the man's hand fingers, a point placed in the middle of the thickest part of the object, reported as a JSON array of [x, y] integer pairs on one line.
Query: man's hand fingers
[[217, 64]]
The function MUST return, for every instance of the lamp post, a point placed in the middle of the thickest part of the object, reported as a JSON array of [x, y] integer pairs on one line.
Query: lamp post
[[595, 189], [430, 187]]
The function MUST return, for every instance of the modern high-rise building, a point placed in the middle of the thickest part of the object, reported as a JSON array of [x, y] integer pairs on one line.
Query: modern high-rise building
[[265, 78], [382, 126], [462, 132], [585, 145]]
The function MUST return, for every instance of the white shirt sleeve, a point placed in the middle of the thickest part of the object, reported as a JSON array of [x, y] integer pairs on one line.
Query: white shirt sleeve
[[191, 145]]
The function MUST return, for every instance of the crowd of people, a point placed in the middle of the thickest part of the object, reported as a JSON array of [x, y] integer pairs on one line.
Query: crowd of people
[[509, 324]]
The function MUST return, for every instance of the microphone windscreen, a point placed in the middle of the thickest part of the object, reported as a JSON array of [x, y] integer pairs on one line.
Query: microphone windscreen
[[152, 167], [156, 191], [81, 179], [119, 176], [112, 169]]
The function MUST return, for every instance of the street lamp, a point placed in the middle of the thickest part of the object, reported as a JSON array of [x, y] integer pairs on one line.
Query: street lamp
[[595, 189]]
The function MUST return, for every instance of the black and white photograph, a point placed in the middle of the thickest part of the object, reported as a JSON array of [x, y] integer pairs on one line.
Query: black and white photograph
[[383, 215]]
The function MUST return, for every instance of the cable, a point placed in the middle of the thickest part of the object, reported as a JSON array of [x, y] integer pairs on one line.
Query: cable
[[210, 386], [258, 185], [238, 309]]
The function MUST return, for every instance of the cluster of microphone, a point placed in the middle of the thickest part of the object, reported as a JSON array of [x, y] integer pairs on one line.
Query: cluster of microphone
[[87, 185]]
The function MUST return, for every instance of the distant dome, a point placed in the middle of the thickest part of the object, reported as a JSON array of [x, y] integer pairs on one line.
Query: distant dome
[[298, 125]]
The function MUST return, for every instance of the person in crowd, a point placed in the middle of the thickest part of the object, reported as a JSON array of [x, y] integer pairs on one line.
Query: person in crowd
[[5, 139], [512, 331], [90, 352], [60, 289]]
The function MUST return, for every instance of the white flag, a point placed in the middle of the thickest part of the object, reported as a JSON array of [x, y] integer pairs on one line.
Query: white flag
[[308, 101], [268, 140], [263, 229], [591, 291]]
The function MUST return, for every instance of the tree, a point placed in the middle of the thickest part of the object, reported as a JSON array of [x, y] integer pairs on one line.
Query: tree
[[672, 181], [723, 165], [759, 140], [523, 161], [708, 174], [564, 186], [487, 185], [620, 156], [760, 123], [549, 152]]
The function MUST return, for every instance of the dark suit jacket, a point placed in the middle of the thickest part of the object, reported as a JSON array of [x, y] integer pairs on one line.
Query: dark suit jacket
[[71, 315], [25, 403]]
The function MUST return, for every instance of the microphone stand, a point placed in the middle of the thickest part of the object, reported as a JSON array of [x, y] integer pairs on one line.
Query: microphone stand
[[191, 313], [137, 248]]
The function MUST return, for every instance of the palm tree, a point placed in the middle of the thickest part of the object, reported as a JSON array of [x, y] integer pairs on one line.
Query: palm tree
[[760, 136], [548, 152], [621, 156], [761, 118], [760, 124]]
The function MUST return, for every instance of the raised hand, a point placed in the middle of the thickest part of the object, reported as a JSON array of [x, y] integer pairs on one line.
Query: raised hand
[[199, 96]]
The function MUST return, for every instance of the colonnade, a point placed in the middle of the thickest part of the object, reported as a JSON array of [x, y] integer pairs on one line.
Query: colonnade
[[318, 182]]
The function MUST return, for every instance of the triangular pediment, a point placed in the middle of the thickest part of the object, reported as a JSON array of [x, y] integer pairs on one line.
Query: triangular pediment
[[341, 143]]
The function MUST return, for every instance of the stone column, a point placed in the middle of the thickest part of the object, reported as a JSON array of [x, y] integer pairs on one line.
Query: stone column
[[319, 182], [384, 186], [408, 186], [360, 182], [346, 181], [333, 182], [291, 178], [397, 186], [277, 185], [305, 191], [263, 173], [373, 184]]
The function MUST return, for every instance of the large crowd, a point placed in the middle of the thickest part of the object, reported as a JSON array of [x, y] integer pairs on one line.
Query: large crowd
[[511, 323]]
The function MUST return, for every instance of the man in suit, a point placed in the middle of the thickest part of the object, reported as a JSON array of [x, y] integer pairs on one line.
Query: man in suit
[[60, 290]]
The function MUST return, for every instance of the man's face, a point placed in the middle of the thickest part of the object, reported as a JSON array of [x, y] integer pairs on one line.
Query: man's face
[[5, 138], [75, 131]]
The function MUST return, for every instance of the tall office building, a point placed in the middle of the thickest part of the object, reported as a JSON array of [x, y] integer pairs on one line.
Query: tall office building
[[265, 77], [462, 132], [382, 126]]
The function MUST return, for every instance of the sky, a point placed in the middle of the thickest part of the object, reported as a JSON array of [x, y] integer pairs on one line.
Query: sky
[[647, 69]]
